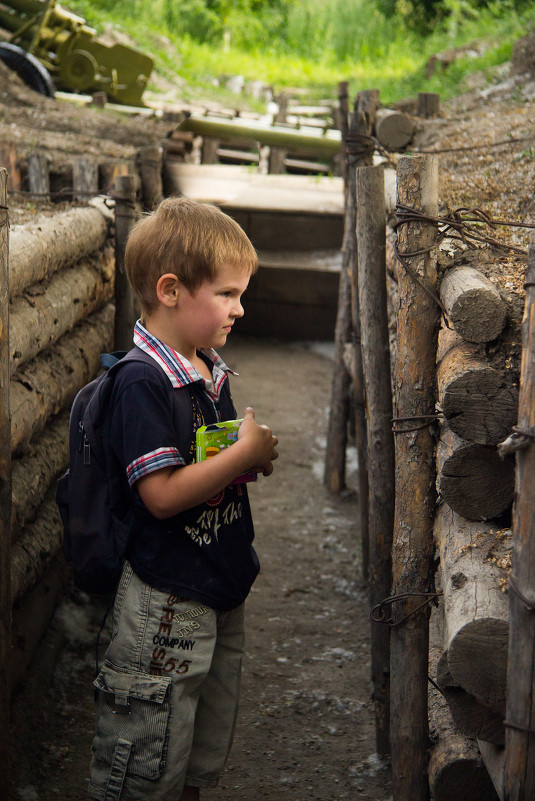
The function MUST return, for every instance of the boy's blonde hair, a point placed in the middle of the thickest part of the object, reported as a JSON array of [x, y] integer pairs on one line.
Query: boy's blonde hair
[[189, 239]]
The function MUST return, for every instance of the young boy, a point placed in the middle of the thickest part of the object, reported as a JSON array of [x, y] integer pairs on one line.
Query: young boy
[[168, 688]]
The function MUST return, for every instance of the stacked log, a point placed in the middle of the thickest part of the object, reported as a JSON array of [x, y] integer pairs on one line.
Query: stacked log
[[478, 401], [456, 769], [62, 318]]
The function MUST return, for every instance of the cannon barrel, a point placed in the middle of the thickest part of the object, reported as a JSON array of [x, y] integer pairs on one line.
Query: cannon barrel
[[324, 143]]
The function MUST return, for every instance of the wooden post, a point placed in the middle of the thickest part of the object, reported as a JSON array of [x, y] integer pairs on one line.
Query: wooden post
[[335, 456], [5, 488], [39, 174], [277, 155], [9, 160], [412, 552], [124, 301], [149, 161], [209, 148], [359, 126], [428, 104], [99, 99], [371, 239], [348, 330], [84, 178], [520, 705]]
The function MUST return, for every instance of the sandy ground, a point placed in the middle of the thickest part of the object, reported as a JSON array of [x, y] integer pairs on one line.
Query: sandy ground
[[306, 729]]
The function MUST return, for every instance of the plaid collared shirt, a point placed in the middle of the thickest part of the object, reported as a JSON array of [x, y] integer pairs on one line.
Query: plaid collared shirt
[[179, 370]]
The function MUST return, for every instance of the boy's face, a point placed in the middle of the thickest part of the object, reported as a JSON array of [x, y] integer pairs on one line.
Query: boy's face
[[207, 314]]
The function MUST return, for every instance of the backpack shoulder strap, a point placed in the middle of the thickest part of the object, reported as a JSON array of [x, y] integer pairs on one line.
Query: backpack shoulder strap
[[181, 397]]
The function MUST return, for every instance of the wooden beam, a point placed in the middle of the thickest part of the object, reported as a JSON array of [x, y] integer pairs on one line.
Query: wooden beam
[[412, 552]]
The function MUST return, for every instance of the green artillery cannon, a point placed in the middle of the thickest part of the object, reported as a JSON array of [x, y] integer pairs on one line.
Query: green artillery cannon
[[49, 46]]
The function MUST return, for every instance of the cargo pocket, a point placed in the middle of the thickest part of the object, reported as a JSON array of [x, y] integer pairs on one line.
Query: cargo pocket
[[132, 712]]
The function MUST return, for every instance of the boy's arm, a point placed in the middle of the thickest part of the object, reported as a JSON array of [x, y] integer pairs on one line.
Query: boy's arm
[[172, 490]]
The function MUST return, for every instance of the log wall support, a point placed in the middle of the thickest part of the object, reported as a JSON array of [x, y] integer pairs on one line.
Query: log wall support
[[371, 239], [520, 721], [412, 553], [149, 163], [5, 486], [39, 175], [335, 457], [125, 214], [84, 178]]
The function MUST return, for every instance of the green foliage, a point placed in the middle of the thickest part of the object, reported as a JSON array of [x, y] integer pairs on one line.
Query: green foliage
[[383, 44]]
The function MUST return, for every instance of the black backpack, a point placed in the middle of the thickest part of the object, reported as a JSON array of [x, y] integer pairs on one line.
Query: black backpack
[[96, 520]]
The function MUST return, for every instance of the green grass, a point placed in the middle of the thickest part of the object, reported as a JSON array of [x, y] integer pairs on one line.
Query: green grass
[[388, 57]]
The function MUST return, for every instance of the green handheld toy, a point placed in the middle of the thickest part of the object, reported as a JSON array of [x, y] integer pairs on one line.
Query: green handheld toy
[[215, 437]]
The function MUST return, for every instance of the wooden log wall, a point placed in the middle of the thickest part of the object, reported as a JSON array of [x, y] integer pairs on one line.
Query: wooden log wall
[[476, 402], [58, 286], [61, 320]]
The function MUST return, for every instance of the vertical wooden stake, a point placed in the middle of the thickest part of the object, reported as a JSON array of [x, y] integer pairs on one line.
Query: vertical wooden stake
[[359, 126], [371, 238], [428, 104], [84, 178], [149, 162], [5, 488], [124, 302], [277, 155], [415, 482], [335, 456], [39, 174], [520, 721], [209, 148]]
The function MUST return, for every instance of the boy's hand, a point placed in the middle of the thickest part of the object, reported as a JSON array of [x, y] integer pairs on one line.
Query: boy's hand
[[261, 442]]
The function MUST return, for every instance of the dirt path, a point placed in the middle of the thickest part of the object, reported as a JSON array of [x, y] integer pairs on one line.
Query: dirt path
[[305, 729]]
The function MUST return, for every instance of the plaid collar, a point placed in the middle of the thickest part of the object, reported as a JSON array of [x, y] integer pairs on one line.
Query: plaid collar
[[179, 370]]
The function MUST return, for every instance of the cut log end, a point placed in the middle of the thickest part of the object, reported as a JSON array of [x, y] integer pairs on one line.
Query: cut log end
[[476, 483], [478, 315]]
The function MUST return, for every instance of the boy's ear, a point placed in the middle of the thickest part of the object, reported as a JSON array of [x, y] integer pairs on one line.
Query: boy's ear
[[168, 289]]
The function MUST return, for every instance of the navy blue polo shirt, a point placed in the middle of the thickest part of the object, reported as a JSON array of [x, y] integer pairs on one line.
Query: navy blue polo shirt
[[204, 553]]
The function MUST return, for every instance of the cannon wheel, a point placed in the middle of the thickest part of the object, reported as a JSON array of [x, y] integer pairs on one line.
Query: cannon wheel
[[28, 68]]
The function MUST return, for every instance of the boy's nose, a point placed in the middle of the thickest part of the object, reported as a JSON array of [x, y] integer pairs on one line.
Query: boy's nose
[[237, 310]]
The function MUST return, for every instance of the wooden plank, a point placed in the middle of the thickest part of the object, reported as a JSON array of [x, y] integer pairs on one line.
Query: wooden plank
[[287, 321], [238, 188], [293, 286]]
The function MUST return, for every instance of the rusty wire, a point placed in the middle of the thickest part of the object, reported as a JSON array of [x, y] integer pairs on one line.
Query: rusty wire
[[378, 614], [501, 143], [529, 605], [428, 419], [462, 224]]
